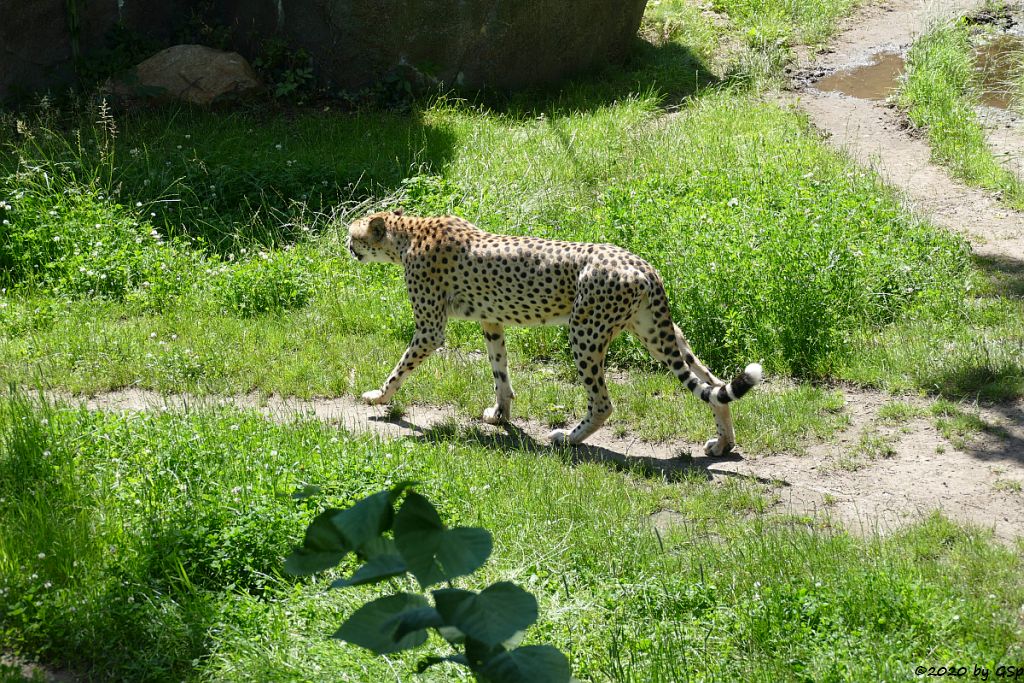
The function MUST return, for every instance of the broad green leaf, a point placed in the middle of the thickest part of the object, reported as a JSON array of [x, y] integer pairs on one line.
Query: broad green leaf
[[530, 664], [377, 546], [304, 562], [449, 600], [479, 653], [370, 517], [432, 552], [417, 620], [375, 624], [514, 640], [376, 569], [417, 514], [463, 550], [452, 634], [491, 616], [322, 548]]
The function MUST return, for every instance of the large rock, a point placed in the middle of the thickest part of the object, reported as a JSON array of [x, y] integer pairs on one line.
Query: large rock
[[191, 73], [472, 42]]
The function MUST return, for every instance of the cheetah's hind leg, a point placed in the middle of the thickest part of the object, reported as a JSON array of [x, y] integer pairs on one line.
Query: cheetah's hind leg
[[494, 333]]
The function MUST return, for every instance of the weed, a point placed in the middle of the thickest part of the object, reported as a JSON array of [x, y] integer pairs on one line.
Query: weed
[[874, 445], [288, 72], [959, 426], [263, 282], [1008, 485], [395, 410], [896, 412]]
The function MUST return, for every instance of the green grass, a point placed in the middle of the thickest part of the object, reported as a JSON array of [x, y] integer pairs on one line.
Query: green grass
[[939, 94], [772, 248], [977, 354], [899, 412], [150, 547]]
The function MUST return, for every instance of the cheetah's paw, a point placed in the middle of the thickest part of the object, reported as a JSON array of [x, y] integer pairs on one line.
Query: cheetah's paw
[[713, 448], [374, 398], [559, 437], [495, 416]]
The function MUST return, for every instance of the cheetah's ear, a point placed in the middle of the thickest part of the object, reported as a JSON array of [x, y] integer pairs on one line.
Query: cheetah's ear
[[377, 229], [398, 212]]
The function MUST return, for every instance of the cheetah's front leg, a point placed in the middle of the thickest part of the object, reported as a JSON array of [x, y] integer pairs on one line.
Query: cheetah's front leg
[[424, 342], [494, 333]]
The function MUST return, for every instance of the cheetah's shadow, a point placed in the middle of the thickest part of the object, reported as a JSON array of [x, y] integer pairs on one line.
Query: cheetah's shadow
[[512, 437]]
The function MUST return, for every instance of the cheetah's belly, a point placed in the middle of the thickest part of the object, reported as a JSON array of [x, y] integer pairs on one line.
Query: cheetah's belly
[[461, 307]]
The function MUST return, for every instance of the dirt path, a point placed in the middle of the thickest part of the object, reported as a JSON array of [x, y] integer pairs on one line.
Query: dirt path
[[874, 134]]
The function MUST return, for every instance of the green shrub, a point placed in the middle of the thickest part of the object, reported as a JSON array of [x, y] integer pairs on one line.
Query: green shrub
[[483, 628], [75, 242], [262, 283]]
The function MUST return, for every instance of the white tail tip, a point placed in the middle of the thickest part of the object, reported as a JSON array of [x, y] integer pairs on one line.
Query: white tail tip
[[754, 373]]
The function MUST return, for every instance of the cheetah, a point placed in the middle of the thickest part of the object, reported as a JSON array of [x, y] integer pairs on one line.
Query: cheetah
[[455, 270]]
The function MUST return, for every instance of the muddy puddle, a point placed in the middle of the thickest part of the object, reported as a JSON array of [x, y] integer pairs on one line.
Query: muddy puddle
[[998, 63]]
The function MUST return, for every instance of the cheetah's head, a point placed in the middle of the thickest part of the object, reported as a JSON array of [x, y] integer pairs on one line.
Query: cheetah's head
[[372, 240]]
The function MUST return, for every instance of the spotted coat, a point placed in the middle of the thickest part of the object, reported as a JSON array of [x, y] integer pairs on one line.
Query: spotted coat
[[455, 270]]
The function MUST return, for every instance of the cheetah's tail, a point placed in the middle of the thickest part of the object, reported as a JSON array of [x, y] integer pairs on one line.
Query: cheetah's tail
[[737, 388]]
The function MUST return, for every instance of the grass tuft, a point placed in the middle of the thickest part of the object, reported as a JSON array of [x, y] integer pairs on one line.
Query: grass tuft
[[940, 93]]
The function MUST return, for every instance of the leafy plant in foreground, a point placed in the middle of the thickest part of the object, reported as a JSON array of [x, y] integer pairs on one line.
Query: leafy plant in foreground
[[488, 625]]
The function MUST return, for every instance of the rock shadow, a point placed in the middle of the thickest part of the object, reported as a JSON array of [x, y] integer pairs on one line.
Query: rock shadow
[[671, 71]]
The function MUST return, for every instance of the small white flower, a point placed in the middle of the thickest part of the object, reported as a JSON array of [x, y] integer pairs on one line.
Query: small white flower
[[48, 584], [734, 202], [152, 335], [277, 146], [41, 556]]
